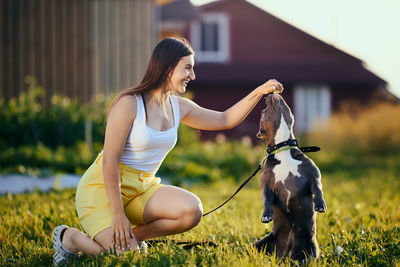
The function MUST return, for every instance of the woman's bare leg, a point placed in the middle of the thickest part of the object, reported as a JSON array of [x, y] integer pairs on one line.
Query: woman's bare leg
[[106, 237], [75, 241], [170, 210]]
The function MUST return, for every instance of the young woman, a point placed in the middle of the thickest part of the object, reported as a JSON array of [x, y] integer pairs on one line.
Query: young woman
[[119, 200]]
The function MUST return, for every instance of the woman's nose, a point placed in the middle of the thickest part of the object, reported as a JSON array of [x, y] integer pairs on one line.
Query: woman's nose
[[259, 135], [192, 76]]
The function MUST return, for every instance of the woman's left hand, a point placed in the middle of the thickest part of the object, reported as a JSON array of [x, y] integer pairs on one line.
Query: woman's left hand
[[271, 86]]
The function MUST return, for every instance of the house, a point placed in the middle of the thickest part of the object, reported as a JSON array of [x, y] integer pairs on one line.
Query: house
[[239, 46], [75, 48]]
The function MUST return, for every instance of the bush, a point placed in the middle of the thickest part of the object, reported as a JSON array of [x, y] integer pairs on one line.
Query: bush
[[193, 160], [363, 130], [28, 120], [36, 134]]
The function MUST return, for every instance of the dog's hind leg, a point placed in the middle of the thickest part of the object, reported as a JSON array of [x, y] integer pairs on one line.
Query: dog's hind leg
[[268, 198], [267, 244], [308, 249], [305, 240]]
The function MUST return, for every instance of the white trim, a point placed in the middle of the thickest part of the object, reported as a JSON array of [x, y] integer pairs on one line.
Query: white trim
[[312, 105], [222, 55]]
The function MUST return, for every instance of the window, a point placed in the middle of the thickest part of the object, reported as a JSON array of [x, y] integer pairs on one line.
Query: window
[[209, 34], [312, 104], [210, 38]]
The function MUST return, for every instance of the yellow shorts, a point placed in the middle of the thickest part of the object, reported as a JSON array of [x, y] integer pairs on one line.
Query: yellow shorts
[[92, 204]]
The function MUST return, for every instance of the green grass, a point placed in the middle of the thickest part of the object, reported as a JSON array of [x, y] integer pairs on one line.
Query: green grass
[[363, 218]]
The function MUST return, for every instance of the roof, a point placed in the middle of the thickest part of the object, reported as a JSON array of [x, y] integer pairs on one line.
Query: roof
[[178, 10]]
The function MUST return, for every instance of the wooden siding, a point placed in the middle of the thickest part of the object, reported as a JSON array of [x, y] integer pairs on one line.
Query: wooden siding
[[75, 47]]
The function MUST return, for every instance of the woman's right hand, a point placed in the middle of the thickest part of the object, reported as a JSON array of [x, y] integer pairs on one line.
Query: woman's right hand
[[122, 231], [271, 86]]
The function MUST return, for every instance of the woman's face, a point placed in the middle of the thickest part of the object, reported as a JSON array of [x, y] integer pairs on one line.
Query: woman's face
[[181, 75]]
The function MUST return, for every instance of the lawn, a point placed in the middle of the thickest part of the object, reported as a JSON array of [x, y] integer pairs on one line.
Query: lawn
[[360, 227]]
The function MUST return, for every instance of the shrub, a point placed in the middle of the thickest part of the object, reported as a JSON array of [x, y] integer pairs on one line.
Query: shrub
[[36, 134], [193, 160], [28, 120], [366, 130]]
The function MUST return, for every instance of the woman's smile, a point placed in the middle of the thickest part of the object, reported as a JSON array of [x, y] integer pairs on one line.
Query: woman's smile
[[182, 74]]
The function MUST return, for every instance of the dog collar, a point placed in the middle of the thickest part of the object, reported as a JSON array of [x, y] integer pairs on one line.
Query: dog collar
[[290, 142], [286, 145], [277, 149]]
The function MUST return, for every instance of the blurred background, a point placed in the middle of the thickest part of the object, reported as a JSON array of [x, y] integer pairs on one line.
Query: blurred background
[[63, 61]]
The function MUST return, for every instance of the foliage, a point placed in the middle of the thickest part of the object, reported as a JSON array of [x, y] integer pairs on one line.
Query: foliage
[[39, 158], [360, 227], [361, 130], [35, 134], [29, 120], [193, 160]]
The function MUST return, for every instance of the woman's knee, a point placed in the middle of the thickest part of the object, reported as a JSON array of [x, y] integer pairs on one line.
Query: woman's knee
[[182, 207], [191, 213]]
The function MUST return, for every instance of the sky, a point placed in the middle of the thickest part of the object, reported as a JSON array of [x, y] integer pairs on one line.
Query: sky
[[366, 29]]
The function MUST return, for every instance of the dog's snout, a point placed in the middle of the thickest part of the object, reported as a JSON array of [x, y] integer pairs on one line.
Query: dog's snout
[[261, 133]]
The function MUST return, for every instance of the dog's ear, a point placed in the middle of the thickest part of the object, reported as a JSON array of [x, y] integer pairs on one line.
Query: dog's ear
[[266, 100], [272, 100]]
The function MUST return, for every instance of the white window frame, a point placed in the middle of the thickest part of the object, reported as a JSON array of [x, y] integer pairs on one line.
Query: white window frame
[[312, 105], [222, 55]]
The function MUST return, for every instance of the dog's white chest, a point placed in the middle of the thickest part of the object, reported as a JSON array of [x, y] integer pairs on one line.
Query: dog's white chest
[[287, 165], [281, 171]]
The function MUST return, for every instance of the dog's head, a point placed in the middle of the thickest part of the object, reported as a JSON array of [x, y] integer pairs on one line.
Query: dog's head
[[276, 123]]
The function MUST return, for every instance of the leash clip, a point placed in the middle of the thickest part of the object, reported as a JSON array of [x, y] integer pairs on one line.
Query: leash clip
[[262, 163]]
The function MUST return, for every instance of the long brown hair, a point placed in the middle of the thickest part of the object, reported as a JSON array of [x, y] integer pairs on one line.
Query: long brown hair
[[163, 60]]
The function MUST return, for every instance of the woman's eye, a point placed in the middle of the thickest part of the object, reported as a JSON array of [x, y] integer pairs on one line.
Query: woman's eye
[[263, 131]]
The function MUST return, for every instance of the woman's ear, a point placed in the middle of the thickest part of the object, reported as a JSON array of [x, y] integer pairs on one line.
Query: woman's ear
[[170, 72], [167, 81]]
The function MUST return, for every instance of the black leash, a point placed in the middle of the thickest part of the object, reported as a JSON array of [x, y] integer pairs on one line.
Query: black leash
[[270, 151], [237, 191], [185, 244]]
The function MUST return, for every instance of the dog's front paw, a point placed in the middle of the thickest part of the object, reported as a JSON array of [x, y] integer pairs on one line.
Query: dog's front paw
[[266, 217], [319, 205]]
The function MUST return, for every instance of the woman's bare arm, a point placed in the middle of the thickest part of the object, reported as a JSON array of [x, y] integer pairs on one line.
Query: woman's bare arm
[[119, 123], [205, 119]]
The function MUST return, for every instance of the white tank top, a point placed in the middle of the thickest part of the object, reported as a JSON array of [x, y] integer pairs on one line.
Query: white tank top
[[145, 148]]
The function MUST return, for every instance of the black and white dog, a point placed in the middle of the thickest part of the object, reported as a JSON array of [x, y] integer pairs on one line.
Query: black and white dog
[[291, 187]]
